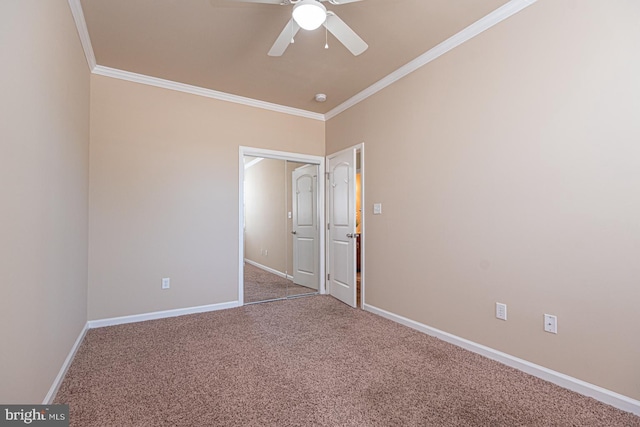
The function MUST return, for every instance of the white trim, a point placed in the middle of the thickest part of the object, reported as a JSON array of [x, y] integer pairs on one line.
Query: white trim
[[267, 269], [362, 224], [483, 24], [321, 212], [281, 155], [160, 314], [208, 93], [83, 32], [57, 382], [241, 226], [599, 393]]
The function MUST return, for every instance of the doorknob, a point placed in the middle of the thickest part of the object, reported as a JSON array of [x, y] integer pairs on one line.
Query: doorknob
[[351, 236], [294, 232]]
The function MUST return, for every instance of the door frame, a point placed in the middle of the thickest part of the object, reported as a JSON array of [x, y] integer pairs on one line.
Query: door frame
[[279, 155], [359, 148]]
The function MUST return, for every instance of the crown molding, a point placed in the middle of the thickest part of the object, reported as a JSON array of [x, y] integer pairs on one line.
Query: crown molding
[[209, 93], [483, 24], [83, 32]]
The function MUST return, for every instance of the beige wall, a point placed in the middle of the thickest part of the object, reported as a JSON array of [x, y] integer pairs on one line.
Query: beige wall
[[44, 143], [520, 147], [164, 193], [508, 170], [265, 214]]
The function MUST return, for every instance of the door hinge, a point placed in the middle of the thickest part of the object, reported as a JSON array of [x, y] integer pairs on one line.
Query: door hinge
[[328, 226], [329, 277]]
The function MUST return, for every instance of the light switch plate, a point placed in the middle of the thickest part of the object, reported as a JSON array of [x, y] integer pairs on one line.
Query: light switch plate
[[377, 208]]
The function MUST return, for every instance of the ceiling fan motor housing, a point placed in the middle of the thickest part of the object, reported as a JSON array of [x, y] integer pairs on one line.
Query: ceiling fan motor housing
[[309, 14]]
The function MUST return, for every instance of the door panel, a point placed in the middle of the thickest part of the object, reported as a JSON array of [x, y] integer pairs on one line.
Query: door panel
[[305, 226], [341, 232], [305, 258], [340, 187], [304, 200]]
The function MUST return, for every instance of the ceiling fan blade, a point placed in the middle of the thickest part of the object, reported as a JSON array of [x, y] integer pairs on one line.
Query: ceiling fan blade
[[339, 2], [284, 39], [345, 34], [260, 1]]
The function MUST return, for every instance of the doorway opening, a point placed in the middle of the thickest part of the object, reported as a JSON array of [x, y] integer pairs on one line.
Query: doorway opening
[[358, 228], [281, 209]]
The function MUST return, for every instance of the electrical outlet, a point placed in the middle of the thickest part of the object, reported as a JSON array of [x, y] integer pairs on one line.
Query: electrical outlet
[[166, 283], [501, 311], [551, 323]]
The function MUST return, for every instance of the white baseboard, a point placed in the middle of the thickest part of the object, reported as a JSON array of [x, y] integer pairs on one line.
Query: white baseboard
[[119, 321], [599, 393], [269, 269], [160, 314], [57, 382]]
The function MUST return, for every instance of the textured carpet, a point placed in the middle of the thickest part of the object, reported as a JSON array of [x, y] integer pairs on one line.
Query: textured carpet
[[304, 362], [260, 285]]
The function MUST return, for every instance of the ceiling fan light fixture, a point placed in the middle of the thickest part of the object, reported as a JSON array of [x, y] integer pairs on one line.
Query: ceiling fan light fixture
[[309, 14]]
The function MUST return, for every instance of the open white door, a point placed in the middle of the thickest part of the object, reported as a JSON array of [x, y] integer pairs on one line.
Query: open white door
[[305, 226], [342, 226]]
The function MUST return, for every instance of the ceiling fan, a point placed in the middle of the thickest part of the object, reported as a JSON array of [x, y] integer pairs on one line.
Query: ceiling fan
[[309, 15]]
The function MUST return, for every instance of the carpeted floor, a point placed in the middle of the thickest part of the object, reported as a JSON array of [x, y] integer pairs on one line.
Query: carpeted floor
[[304, 362], [260, 285]]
